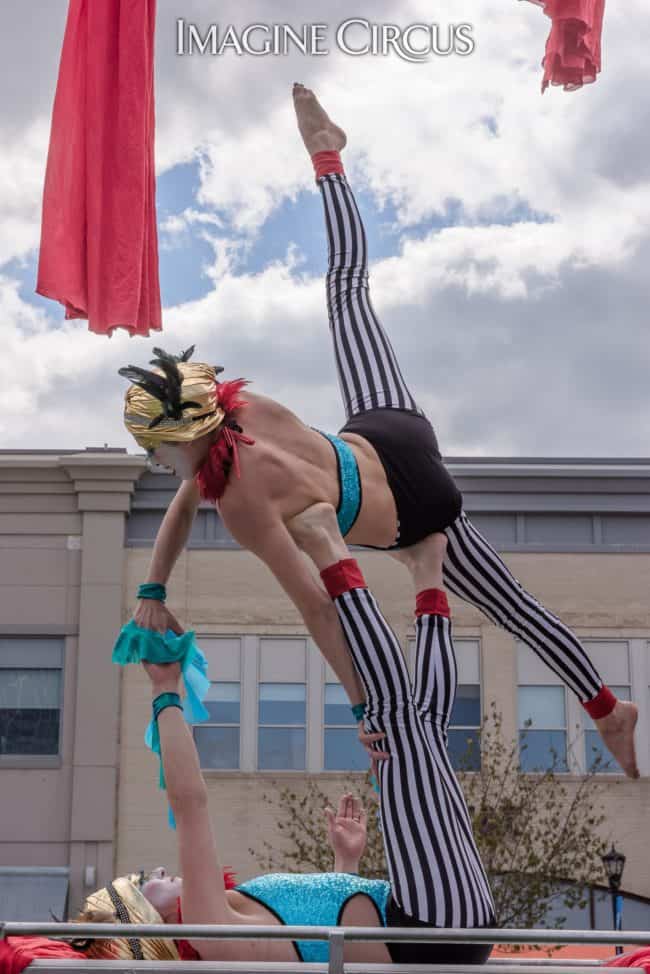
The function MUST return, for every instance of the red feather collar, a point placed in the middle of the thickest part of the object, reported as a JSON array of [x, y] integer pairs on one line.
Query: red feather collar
[[212, 478]]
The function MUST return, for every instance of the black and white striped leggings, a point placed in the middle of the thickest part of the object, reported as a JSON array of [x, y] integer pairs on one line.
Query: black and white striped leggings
[[434, 866], [370, 378]]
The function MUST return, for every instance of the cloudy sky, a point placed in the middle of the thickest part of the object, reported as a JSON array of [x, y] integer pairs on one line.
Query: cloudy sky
[[509, 232]]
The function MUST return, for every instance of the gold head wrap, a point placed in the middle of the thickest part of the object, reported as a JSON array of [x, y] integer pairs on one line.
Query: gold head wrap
[[175, 403], [124, 903]]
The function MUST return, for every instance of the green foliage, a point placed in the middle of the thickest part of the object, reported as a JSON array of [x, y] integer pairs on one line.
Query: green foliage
[[536, 833]]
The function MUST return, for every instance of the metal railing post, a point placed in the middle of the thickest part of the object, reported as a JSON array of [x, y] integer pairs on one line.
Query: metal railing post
[[336, 942]]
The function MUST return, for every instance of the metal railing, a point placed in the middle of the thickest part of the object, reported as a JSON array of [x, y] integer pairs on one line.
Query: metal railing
[[336, 938]]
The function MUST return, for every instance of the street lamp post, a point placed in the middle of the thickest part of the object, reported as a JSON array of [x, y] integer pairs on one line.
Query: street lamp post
[[614, 862]]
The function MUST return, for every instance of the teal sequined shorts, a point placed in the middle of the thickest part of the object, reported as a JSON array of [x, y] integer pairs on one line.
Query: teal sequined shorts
[[349, 482]]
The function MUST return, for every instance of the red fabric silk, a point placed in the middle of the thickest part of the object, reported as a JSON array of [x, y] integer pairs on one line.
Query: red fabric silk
[[432, 601], [637, 958], [99, 247], [17, 952], [572, 57], [212, 478], [601, 705], [342, 576]]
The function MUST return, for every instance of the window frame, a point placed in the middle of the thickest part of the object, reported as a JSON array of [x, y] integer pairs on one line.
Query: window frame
[[36, 761], [568, 750], [211, 723], [326, 726], [304, 727]]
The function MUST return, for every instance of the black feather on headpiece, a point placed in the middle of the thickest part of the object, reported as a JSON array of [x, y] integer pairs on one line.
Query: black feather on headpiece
[[168, 389]]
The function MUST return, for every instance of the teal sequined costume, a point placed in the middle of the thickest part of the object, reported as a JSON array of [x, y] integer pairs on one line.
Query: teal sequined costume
[[313, 899], [349, 482]]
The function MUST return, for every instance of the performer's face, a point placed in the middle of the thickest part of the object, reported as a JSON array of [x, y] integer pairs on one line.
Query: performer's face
[[163, 891], [176, 457]]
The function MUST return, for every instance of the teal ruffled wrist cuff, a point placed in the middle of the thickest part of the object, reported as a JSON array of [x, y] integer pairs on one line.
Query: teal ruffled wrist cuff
[[135, 645], [152, 590]]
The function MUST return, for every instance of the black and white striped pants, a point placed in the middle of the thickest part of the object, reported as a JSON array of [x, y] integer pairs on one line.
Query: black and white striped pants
[[370, 378], [434, 866]]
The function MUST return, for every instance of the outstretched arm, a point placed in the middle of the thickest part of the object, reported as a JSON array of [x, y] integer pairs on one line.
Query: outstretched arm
[[204, 895], [171, 539]]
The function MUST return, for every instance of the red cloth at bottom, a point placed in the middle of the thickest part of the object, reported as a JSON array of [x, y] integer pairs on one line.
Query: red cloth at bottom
[[638, 958], [17, 952], [573, 47], [99, 248]]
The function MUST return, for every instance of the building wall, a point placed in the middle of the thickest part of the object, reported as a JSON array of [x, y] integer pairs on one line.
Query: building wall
[[76, 531], [62, 529]]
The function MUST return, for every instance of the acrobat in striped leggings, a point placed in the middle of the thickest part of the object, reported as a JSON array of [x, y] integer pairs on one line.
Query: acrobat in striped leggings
[[380, 407], [435, 871]]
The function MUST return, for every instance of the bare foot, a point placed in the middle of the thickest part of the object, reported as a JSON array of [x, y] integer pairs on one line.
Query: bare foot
[[617, 732], [318, 131], [316, 532], [424, 561]]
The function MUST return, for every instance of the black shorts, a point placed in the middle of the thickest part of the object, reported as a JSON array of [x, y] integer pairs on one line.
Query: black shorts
[[426, 497], [429, 953]]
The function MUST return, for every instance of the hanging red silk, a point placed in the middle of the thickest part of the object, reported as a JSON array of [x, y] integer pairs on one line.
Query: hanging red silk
[[99, 248], [573, 47]]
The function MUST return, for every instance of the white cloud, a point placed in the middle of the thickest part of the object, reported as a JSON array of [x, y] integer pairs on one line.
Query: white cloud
[[528, 338]]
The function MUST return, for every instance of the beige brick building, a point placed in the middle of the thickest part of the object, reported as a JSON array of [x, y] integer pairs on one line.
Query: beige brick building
[[78, 789]]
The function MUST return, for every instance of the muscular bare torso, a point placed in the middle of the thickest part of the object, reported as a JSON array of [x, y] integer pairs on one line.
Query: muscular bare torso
[[291, 467]]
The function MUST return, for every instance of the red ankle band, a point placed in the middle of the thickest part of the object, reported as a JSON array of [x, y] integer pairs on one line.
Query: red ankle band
[[327, 161], [433, 602], [342, 576], [601, 705]]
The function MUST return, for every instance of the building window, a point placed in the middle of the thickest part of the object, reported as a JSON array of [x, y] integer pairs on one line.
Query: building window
[[281, 726], [612, 660], [542, 728], [342, 749], [542, 714], [464, 736], [31, 672], [217, 739]]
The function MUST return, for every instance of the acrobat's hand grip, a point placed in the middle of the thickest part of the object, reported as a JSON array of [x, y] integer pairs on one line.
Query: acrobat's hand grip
[[152, 614]]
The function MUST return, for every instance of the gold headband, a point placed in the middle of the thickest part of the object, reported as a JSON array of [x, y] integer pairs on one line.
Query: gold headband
[[126, 904], [174, 403]]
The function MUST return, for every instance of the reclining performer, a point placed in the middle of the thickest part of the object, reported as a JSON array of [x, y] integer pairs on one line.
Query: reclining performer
[[383, 473], [436, 875], [155, 896]]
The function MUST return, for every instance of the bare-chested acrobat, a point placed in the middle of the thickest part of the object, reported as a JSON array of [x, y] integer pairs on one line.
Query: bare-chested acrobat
[[383, 473]]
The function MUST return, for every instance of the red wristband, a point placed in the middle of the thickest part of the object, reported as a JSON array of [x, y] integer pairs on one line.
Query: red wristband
[[432, 601], [342, 576], [327, 161], [601, 705]]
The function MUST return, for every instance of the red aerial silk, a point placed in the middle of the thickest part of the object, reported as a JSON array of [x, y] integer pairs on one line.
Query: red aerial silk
[[99, 247], [572, 57], [637, 958], [17, 952]]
